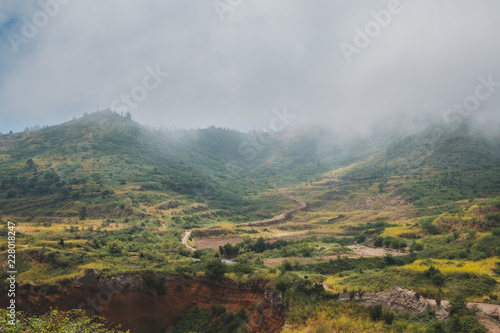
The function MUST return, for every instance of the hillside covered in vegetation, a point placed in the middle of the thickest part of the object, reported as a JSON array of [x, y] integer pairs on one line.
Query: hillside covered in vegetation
[[419, 211]]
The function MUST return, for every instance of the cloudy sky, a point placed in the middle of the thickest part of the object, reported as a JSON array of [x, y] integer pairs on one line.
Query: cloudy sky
[[177, 63]]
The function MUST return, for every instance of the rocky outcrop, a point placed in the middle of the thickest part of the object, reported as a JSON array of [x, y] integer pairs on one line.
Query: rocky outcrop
[[89, 279], [396, 299], [269, 315]]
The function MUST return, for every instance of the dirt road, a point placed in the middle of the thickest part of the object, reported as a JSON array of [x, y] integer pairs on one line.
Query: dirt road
[[185, 239], [278, 218], [214, 243]]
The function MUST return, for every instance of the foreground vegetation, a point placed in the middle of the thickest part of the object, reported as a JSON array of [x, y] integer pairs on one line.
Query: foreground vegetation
[[75, 321]]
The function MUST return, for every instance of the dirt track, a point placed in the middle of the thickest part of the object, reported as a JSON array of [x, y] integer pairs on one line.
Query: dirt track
[[185, 239], [278, 218], [359, 251], [215, 243]]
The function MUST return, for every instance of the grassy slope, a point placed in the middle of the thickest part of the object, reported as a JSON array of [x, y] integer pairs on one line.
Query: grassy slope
[[141, 188]]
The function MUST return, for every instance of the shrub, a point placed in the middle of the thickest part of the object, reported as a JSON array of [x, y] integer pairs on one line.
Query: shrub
[[375, 312], [157, 282], [463, 319], [493, 217], [74, 321], [388, 316], [215, 269]]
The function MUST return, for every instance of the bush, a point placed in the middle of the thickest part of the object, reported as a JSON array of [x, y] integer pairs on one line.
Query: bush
[[157, 282], [463, 319], [375, 312], [493, 217], [74, 321], [427, 224], [116, 247], [215, 269], [282, 283], [218, 310], [242, 268], [388, 316]]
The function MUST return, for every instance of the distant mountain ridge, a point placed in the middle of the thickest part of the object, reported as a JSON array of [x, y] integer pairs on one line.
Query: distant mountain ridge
[[104, 158]]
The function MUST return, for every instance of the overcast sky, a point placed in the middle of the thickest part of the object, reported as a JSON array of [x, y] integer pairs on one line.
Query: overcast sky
[[232, 62]]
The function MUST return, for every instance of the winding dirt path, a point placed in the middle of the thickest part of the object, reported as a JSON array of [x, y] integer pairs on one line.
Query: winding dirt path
[[278, 218], [185, 239]]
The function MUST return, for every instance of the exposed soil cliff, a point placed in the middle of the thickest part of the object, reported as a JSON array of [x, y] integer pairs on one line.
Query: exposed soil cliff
[[125, 300]]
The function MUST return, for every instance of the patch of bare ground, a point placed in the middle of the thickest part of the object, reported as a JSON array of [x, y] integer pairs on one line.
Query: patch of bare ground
[[365, 251], [214, 243], [302, 236], [359, 251], [488, 315], [492, 325]]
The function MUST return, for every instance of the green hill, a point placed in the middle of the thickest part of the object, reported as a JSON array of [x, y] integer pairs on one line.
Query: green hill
[[107, 193]]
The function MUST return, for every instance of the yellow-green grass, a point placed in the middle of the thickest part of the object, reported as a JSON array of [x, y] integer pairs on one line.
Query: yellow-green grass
[[397, 231], [42, 273], [484, 266], [334, 283], [31, 228], [68, 243], [323, 317]]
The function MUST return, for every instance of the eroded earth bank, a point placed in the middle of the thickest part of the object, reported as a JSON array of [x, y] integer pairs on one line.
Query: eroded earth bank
[[128, 301]]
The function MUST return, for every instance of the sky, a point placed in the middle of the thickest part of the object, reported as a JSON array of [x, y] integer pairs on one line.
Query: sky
[[249, 64]]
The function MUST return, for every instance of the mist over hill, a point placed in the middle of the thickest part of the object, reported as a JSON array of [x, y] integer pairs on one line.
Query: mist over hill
[[101, 156], [105, 191]]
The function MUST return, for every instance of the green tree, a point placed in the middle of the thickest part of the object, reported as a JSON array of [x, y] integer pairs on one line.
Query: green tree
[[116, 247], [30, 164], [215, 269], [83, 212]]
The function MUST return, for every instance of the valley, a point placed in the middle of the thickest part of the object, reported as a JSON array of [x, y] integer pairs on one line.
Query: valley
[[102, 201]]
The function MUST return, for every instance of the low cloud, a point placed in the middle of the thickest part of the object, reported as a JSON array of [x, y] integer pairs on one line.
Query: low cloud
[[260, 56]]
